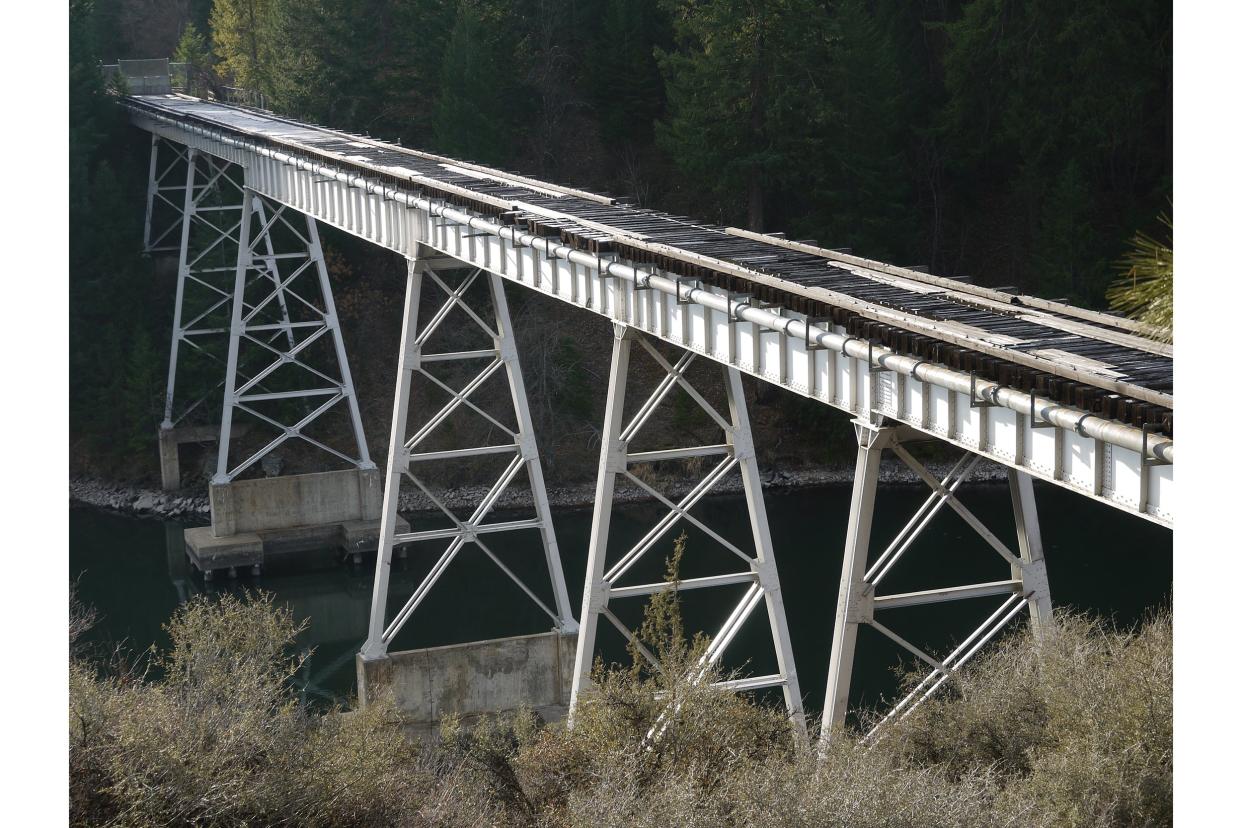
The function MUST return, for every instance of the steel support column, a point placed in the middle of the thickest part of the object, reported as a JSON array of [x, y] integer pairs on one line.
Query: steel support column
[[303, 370], [407, 451], [857, 601], [850, 596], [737, 451]]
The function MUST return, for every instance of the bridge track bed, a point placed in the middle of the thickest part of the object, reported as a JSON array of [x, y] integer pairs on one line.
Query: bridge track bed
[[1090, 360]]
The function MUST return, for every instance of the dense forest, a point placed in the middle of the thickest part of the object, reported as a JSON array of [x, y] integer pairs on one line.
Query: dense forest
[[1020, 143]]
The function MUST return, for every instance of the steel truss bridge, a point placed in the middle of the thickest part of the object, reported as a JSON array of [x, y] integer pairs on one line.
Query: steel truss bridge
[[1072, 397]]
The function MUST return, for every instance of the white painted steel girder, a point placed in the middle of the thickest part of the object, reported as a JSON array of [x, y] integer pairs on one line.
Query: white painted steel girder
[[406, 450], [758, 571], [1098, 458], [858, 601]]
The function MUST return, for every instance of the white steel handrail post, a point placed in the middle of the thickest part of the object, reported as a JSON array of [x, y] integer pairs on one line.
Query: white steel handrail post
[[740, 438], [506, 346], [611, 463], [183, 271], [398, 462], [851, 598], [1033, 572], [338, 343], [249, 197]]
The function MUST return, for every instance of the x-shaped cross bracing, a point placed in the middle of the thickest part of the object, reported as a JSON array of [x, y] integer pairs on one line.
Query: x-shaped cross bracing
[[209, 220], [408, 452], [277, 328], [736, 452], [858, 600]]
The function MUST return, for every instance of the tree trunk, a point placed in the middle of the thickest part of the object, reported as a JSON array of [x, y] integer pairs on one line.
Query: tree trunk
[[758, 89]]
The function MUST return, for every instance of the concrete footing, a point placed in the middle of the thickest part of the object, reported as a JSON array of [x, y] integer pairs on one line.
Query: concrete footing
[[474, 679], [250, 549], [257, 522]]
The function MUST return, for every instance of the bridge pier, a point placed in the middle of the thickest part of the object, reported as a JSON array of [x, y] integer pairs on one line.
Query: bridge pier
[[253, 296], [737, 451], [472, 680], [172, 439], [255, 522], [414, 447], [858, 603]]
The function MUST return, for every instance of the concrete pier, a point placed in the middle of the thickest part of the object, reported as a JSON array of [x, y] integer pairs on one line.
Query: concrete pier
[[473, 679], [171, 440], [256, 522]]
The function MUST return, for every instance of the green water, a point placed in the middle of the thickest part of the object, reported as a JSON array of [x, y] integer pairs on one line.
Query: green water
[[134, 573]]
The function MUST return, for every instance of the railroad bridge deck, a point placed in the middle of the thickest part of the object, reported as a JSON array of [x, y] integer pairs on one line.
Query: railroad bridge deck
[[1088, 359], [1091, 375]]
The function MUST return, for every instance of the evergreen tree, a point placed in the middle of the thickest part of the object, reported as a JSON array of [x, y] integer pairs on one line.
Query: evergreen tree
[[243, 39], [861, 193], [89, 117], [1145, 289], [192, 50], [1057, 120], [363, 65], [111, 307], [623, 76], [745, 106], [474, 116]]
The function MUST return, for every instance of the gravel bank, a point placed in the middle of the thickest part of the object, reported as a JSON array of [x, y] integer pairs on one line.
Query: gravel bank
[[191, 505]]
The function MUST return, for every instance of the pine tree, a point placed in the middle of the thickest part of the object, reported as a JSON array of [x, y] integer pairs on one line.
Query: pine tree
[[192, 50], [473, 117], [1057, 121], [858, 191], [745, 108], [1145, 290], [242, 39], [623, 78]]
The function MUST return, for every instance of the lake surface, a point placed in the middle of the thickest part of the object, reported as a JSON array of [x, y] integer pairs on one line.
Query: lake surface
[[134, 572]]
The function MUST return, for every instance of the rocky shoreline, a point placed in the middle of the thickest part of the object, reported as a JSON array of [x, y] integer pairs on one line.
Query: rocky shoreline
[[191, 505]]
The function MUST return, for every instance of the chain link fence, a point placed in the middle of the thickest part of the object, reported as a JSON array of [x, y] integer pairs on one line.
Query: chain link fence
[[160, 76]]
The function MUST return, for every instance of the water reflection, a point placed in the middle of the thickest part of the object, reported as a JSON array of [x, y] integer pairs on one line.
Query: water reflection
[[135, 573]]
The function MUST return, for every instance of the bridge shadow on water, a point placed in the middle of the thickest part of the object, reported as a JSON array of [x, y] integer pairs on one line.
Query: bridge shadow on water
[[134, 573]]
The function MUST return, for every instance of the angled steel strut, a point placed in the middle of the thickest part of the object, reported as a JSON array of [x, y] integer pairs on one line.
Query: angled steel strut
[[407, 451], [858, 603], [735, 452]]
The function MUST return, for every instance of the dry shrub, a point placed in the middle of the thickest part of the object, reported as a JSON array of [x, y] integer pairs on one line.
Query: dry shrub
[[1078, 724], [1073, 729], [222, 739]]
